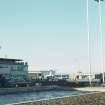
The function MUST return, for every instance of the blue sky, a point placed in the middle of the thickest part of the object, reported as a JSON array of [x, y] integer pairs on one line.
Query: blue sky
[[51, 33]]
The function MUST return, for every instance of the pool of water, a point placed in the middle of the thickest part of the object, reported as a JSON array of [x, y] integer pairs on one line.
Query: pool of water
[[32, 96]]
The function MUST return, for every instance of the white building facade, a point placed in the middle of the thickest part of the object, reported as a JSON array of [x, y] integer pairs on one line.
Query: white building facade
[[48, 73], [82, 76], [45, 74], [35, 75], [62, 77]]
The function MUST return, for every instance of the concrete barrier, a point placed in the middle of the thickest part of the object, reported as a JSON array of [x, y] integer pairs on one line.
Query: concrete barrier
[[24, 89], [30, 89]]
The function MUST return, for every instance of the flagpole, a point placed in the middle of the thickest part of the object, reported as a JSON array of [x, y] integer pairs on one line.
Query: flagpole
[[88, 33], [100, 31]]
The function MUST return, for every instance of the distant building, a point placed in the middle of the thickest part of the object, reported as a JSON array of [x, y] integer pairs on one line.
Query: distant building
[[48, 73], [39, 75], [62, 77], [15, 70], [100, 77], [82, 76], [35, 75]]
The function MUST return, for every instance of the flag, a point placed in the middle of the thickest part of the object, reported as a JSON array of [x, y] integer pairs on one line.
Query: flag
[[98, 0]]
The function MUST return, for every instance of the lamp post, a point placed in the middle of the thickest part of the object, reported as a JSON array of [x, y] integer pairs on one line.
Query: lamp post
[[100, 32], [88, 34]]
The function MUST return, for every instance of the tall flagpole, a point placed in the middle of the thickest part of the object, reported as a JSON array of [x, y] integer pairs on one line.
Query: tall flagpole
[[88, 33], [100, 31]]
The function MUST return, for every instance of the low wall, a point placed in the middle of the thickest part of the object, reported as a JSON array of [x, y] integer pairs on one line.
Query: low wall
[[90, 99], [30, 89], [24, 89]]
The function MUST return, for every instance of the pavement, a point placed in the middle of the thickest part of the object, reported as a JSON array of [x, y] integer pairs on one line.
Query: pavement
[[91, 89]]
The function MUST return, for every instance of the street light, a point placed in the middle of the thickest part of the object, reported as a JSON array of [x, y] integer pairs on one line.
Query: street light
[[100, 28], [88, 33], [100, 31]]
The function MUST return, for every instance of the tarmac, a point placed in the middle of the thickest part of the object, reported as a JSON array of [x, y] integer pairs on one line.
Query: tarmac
[[91, 89], [93, 96]]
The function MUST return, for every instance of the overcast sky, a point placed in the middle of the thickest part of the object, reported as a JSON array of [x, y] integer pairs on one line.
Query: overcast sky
[[51, 33]]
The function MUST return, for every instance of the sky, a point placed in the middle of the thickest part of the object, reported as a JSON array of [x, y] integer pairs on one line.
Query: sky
[[51, 34]]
